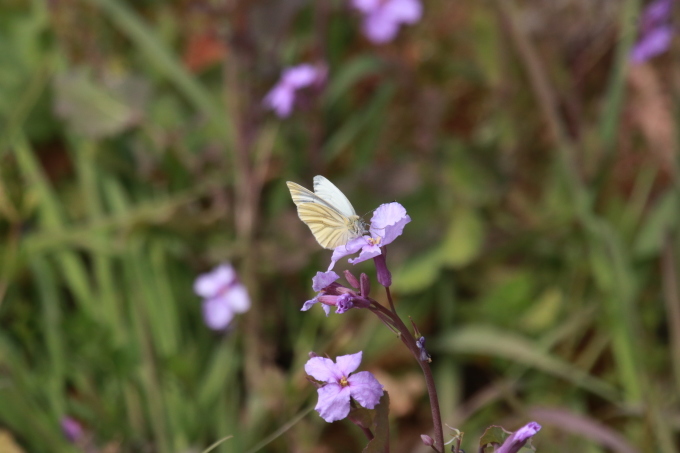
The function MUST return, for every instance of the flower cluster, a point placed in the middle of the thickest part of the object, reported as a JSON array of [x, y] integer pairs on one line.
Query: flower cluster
[[332, 294], [381, 22], [340, 383], [223, 296], [656, 31]]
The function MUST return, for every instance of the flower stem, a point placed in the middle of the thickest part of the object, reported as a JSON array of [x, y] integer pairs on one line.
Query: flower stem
[[389, 298], [410, 343], [367, 432], [434, 404]]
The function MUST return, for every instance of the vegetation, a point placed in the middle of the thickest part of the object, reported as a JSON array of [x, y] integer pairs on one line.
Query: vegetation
[[538, 166]]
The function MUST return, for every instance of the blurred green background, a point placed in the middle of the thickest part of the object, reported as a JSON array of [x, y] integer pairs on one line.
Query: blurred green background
[[538, 165]]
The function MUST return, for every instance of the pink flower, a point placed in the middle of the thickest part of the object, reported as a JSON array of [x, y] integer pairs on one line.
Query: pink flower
[[387, 224], [332, 294], [72, 429], [281, 98], [382, 18], [223, 296], [341, 385], [656, 31], [520, 437]]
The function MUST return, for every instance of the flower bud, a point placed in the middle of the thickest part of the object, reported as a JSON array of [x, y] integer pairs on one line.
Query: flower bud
[[516, 441], [427, 440], [423, 356], [384, 275], [351, 279], [365, 285], [313, 354]]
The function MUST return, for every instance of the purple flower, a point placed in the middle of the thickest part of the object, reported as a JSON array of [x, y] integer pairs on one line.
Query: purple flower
[[334, 294], [656, 31], [423, 355], [71, 429], [281, 98], [341, 385], [223, 296], [382, 18], [387, 224], [520, 437]]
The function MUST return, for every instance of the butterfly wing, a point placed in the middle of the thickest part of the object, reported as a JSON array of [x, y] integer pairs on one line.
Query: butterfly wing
[[329, 227], [326, 190], [301, 195], [328, 224]]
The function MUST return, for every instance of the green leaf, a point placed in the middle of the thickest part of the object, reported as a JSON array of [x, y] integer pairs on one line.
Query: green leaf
[[347, 75], [98, 109], [486, 340], [464, 239], [544, 312], [662, 217], [493, 435], [418, 273], [381, 427]]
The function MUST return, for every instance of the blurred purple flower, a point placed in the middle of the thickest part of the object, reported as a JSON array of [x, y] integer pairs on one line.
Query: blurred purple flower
[[423, 355], [341, 385], [71, 429], [223, 296], [656, 31], [382, 18], [332, 294], [520, 437], [281, 98], [387, 224]]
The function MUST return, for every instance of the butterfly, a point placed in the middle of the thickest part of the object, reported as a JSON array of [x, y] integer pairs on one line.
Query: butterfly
[[327, 212]]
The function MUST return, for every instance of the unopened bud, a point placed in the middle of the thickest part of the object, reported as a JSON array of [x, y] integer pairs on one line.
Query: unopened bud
[[516, 441], [383, 274], [365, 285], [427, 440], [313, 354], [351, 279]]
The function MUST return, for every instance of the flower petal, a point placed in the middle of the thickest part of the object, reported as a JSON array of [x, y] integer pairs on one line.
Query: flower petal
[[307, 305], [333, 402], [351, 247], [388, 222], [368, 252], [657, 11], [323, 369], [211, 283], [386, 215], [404, 11], [517, 439], [348, 363], [366, 6], [238, 298], [300, 76], [365, 389], [216, 313], [379, 27], [654, 43], [281, 99], [323, 279]]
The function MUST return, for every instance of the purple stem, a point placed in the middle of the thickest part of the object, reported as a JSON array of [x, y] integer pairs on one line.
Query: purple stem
[[410, 343]]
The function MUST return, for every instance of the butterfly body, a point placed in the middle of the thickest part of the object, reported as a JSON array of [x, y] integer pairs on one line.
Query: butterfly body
[[327, 212]]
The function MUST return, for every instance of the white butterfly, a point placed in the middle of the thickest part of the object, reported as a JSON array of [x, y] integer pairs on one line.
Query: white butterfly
[[327, 212]]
